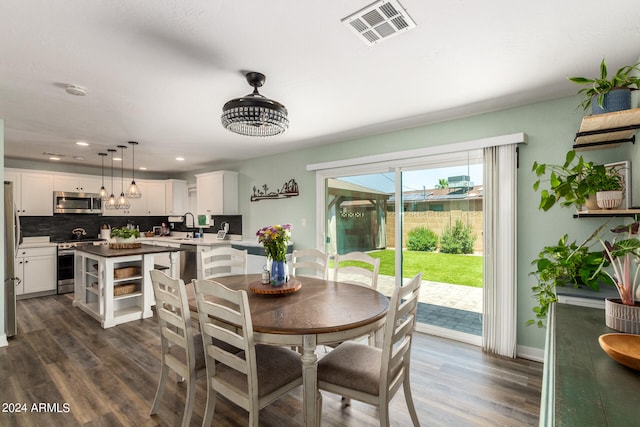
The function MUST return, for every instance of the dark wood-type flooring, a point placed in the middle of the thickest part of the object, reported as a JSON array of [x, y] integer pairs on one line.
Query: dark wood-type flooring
[[109, 377]]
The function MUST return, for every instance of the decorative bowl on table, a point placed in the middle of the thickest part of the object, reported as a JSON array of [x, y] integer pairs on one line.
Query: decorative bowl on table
[[623, 348]]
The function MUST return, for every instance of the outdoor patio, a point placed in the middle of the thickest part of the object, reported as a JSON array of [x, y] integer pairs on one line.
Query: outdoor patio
[[454, 307]]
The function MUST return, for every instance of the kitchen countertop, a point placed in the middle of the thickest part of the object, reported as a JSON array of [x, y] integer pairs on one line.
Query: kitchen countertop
[[36, 242], [209, 239], [105, 251]]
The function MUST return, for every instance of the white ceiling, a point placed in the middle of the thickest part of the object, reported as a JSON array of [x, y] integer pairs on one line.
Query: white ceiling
[[159, 71]]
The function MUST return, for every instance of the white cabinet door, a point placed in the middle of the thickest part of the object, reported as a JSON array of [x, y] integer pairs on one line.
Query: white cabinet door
[[40, 274], [77, 183], [36, 194], [176, 196], [32, 192], [37, 269], [155, 197], [138, 206], [217, 193]]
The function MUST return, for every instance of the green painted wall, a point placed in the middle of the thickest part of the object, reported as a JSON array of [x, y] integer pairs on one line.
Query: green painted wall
[[550, 126]]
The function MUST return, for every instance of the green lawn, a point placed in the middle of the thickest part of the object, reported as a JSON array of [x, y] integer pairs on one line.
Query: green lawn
[[447, 268]]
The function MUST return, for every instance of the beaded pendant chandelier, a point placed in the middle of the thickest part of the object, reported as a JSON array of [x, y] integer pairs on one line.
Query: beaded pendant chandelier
[[254, 114]]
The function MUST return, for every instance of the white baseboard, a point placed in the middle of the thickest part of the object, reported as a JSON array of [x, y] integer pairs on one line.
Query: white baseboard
[[524, 352], [3, 340], [530, 353]]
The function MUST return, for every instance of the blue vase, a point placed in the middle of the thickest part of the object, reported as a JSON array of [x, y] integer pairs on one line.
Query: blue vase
[[278, 273]]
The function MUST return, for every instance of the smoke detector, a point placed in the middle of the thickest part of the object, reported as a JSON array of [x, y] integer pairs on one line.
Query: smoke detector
[[75, 90], [379, 21]]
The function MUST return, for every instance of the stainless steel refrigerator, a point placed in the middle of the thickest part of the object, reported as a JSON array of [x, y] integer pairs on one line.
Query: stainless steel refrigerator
[[11, 240]]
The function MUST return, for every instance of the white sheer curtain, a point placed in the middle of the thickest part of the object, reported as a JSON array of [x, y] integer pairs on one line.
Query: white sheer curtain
[[499, 297]]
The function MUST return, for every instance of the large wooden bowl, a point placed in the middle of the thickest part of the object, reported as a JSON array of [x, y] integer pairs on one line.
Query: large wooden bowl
[[623, 348]]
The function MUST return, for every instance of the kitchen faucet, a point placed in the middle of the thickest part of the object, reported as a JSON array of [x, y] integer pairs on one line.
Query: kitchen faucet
[[192, 218]]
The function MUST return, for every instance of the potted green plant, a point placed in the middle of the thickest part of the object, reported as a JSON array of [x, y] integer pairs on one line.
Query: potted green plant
[[124, 234], [565, 264], [606, 93], [624, 257], [576, 182]]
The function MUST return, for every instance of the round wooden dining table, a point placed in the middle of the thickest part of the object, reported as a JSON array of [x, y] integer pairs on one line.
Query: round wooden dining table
[[320, 312]]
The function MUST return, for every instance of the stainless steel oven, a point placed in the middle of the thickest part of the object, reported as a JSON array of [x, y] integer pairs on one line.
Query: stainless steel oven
[[66, 267], [66, 263]]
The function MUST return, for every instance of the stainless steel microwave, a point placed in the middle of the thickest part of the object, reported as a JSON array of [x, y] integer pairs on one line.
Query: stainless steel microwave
[[76, 203]]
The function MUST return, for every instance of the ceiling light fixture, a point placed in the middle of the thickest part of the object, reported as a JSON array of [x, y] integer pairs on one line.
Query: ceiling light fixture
[[75, 90], [122, 202], [104, 196], [253, 114], [133, 192], [111, 201], [82, 143]]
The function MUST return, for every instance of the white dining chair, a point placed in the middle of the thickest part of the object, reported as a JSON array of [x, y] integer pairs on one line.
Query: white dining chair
[[310, 262], [365, 273], [374, 375], [223, 261], [181, 349], [253, 378]]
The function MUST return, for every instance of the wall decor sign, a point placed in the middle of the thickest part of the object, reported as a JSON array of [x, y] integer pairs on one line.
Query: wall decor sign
[[289, 189]]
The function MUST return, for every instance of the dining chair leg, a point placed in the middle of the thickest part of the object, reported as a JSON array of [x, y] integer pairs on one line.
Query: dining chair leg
[[406, 385], [160, 391], [346, 401], [209, 408], [383, 413], [319, 408], [188, 405]]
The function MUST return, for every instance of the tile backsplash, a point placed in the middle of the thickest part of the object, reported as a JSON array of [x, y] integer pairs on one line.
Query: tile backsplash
[[58, 227]]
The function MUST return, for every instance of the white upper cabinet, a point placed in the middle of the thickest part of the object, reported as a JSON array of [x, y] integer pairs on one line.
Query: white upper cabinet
[[176, 196], [152, 202], [155, 197], [32, 192], [217, 193], [77, 183]]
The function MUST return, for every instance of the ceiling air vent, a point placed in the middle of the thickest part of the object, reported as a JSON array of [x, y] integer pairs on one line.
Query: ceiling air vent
[[379, 21]]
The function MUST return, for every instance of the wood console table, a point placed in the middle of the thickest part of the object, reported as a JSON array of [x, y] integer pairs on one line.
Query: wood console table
[[582, 386]]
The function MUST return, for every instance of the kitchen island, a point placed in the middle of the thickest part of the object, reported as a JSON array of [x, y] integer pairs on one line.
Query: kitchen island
[[113, 285]]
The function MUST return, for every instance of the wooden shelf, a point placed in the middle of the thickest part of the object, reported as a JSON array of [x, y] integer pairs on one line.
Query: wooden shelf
[[610, 130], [607, 213]]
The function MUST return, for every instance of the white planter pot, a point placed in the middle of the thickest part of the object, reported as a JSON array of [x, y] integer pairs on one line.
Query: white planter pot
[[623, 318], [609, 199]]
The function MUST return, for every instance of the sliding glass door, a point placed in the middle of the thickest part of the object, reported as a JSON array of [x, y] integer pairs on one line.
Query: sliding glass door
[[438, 232], [442, 214]]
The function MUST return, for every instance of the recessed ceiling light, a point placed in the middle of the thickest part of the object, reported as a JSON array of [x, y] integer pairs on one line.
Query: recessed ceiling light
[[54, 158], [180, 159], [82, 143], [75, 90], [142, 168], [78, 157], [117, 159]]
